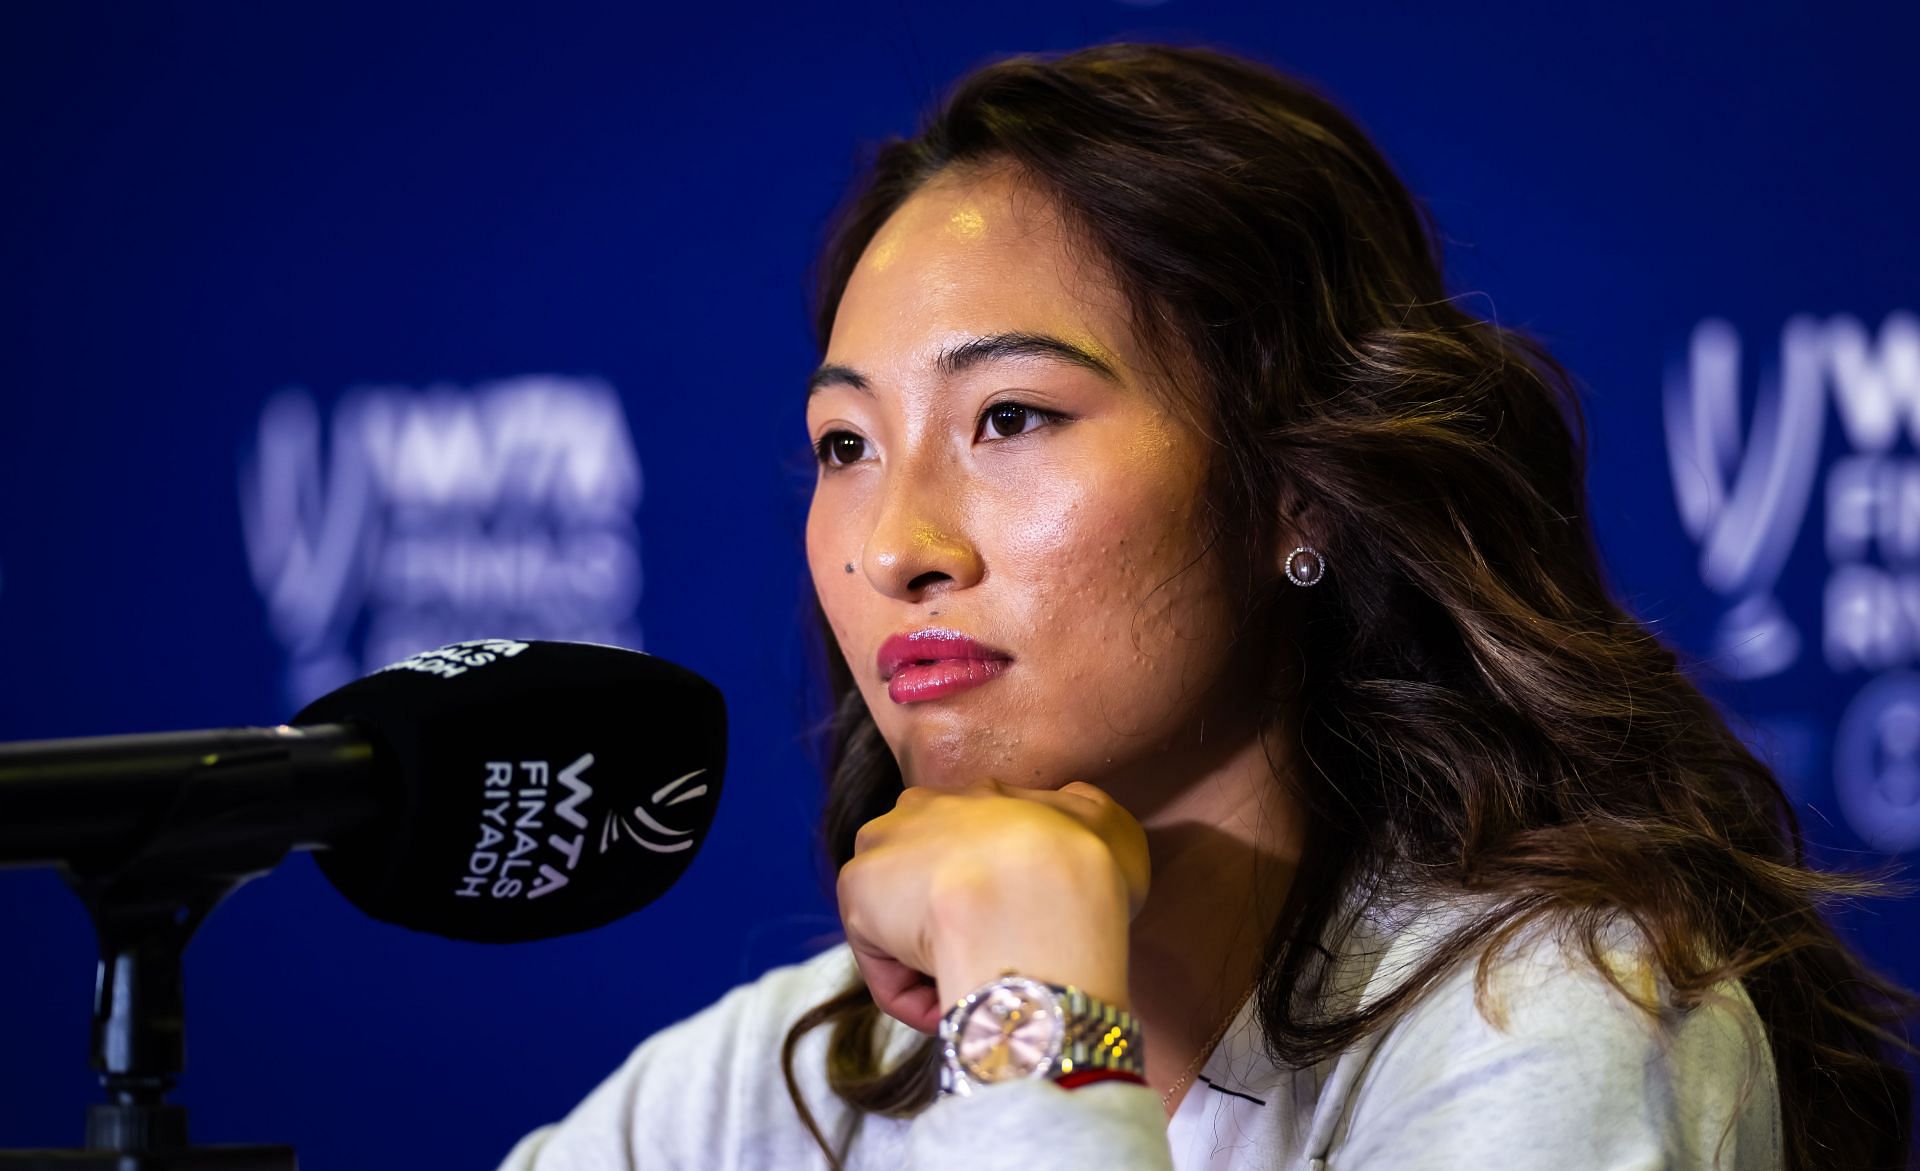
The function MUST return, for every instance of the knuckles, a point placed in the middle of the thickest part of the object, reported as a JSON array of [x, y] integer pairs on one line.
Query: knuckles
[[991, 827]]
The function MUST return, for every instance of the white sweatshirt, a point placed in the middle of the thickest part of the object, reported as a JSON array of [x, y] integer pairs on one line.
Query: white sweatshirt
[[1578, 1080]]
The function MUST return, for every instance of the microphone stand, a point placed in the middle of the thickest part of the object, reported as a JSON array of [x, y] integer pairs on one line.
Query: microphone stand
[[139, 1042], [146, 901]]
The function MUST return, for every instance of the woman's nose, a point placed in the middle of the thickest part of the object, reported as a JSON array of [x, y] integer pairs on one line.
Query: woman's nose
[[918, 540]]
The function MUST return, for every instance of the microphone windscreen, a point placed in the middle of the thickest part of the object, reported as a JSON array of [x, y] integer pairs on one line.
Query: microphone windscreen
[[542, 788]]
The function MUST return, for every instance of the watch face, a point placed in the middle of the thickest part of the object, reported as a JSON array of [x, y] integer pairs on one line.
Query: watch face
[[1011, 1030]]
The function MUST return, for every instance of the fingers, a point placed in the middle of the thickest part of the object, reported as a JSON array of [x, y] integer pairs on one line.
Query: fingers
[[915, 799], [907, 996], [1074, 795], [1087, 791], [912, 798], [1086, 804]]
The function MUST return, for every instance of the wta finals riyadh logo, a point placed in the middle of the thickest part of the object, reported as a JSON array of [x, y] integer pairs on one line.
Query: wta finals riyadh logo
[[1744, 497], [409, 519]]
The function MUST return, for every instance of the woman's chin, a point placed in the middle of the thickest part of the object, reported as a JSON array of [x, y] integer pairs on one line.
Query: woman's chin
[[950, 762]]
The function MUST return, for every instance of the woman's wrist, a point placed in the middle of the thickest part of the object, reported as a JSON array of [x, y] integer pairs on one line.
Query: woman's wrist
[[1062, 921]]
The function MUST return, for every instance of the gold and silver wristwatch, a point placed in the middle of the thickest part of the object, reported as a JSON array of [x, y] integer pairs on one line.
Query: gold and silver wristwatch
[[1012, 1028]]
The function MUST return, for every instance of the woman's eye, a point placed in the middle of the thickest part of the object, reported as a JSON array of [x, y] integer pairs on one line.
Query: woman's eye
[[839, 448], [1006, 420]]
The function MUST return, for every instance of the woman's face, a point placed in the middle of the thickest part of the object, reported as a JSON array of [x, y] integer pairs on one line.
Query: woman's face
[[1046, 507]]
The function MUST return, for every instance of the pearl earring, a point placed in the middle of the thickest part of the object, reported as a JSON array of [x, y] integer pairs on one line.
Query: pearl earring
[[1304, 572]]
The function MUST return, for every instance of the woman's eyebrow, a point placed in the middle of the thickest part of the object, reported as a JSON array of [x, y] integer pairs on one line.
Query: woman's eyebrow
[[964, 355]]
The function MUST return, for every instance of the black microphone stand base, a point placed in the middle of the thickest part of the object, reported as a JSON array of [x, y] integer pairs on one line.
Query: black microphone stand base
[[144, 911], [139, 1137], [218, 1158]]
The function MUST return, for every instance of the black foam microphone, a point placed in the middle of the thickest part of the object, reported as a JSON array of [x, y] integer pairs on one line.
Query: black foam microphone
[[493, 790]]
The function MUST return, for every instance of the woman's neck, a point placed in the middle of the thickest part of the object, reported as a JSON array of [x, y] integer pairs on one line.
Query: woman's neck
[[1224, 847]]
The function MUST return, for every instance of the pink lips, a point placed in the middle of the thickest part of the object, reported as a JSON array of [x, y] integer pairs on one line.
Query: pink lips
[[927, 664]]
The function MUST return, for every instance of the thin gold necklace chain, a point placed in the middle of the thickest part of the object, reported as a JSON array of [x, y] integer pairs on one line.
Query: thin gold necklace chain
[[1207, 1049]]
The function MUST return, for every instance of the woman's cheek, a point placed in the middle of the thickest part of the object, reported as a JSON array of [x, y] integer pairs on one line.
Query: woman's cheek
[[824, 530], [1033, 520]]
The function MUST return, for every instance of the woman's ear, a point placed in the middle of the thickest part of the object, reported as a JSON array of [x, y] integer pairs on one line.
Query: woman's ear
[[1300, 524]]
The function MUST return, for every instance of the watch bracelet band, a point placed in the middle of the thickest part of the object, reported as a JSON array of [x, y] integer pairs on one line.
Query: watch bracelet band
[[1099, 1035]]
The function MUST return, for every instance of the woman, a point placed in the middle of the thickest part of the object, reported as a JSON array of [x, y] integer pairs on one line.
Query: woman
[[1227, 684]]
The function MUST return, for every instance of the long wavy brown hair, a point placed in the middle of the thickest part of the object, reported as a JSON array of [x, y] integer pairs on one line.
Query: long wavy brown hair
[[1474, 707]]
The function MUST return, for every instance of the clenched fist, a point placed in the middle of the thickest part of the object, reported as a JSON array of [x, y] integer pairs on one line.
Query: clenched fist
[[953, 886]]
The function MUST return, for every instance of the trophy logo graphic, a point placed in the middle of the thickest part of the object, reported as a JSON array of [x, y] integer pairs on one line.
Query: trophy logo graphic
[[1743, 492]]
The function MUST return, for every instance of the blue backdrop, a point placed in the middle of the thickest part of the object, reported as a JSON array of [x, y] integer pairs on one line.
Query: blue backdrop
[[330, 331]]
